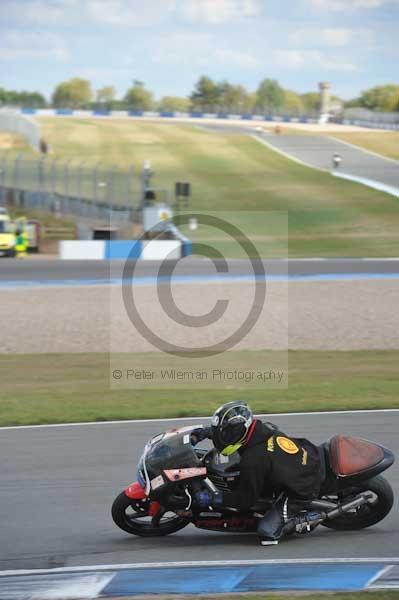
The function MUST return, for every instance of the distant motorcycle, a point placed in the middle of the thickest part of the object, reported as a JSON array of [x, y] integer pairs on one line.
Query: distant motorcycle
[[353, 496]]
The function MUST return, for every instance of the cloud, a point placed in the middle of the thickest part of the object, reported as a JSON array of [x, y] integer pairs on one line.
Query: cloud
[[132, 13], [32, 46], [332, 37], [236, 58], [37, 12], [346, 5], [310, 59], [216, 12], [195, 50], [206, 12]]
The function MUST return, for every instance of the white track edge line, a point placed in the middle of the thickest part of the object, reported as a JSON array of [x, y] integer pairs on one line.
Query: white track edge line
[[289, 156], [378, 575], [365, 150], [201, 563], [206, 417]]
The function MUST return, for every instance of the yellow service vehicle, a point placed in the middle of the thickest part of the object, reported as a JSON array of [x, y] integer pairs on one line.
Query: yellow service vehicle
[[7, 234]]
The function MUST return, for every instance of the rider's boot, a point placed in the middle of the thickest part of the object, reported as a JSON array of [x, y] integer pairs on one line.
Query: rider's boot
[[284, 518]]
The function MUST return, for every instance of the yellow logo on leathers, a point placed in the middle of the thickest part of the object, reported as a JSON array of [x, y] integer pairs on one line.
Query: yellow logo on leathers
[[287, 445]]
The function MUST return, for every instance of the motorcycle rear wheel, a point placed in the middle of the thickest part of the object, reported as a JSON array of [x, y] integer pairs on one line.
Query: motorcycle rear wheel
[[132, 516], [367, 515]]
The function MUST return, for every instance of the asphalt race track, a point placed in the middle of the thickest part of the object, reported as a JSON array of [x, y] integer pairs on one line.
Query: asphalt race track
[[44, 270], [58, 484], [317, 151]]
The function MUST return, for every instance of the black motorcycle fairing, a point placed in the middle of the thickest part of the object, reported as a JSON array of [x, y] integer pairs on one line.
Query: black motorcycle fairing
[[336, 483], [223, 471]]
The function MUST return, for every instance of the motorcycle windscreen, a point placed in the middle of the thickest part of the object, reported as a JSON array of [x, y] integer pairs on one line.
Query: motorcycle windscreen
[[171, 453]]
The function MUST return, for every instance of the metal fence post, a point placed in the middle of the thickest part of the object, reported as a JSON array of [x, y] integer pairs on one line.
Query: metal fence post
[[40, 174], [65, 200], [129, 177], [16, 170], [111, 185], [3, 169], [95, 177], [54, 175], [79, 184]]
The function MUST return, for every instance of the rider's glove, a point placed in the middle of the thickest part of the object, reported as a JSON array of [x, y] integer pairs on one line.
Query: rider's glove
[[199, 434], [206, 499]]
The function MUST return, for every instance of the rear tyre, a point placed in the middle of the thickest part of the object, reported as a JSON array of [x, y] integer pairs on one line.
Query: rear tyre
[[366, 515], [132, 516]]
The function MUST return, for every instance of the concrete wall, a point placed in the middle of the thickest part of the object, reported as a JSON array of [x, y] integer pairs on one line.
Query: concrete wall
[[123, 249]]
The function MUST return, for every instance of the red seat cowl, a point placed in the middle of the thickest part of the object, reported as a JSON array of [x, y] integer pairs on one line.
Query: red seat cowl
[[351, 455]]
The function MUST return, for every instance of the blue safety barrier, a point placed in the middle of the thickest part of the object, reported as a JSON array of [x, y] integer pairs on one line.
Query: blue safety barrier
[[196, 115], [29, 111], [167, 113], [247, 117], [187, 247], [123, 249], [64, 111], [223, 115], [135, 113], [101, 113]]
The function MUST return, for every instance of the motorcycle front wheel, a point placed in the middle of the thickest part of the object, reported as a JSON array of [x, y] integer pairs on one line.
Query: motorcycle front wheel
[[369, 514], [132, 516]]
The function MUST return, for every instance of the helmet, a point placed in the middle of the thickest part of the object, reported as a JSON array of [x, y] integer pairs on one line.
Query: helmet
[[230, 426]]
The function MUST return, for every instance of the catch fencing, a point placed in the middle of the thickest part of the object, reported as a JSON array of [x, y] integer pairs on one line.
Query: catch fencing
[[20, 124], [371, 119], [68, 188]]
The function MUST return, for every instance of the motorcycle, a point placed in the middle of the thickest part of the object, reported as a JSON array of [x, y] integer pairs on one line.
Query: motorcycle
[[354, 495]]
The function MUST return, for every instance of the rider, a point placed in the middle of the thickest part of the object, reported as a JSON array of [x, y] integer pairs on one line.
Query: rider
[[288, 468]]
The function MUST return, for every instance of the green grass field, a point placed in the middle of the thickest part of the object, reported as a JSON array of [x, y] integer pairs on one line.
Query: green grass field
[[327, 216], [60, 388]]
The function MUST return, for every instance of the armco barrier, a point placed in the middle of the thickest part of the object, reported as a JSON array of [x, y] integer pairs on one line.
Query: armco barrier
[[67, 112], [82, 250], [123, 249]]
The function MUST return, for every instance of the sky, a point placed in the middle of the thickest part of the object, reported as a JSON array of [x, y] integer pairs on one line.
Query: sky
[[169, 44]]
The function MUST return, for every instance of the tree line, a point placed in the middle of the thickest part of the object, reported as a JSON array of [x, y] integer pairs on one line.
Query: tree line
[[208, 95]]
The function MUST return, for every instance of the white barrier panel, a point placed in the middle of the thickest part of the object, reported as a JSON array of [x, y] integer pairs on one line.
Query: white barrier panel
[[82, 250], [161, 249]]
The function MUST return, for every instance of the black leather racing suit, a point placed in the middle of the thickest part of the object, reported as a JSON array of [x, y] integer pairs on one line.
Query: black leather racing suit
[[273, 463]]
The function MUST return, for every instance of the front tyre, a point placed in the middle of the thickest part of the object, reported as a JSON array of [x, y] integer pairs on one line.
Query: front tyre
[[132, 516], [366, 515]]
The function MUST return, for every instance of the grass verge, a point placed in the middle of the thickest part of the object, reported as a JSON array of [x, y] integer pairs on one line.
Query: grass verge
[[58, 388], [328, 216], [385, 143]]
